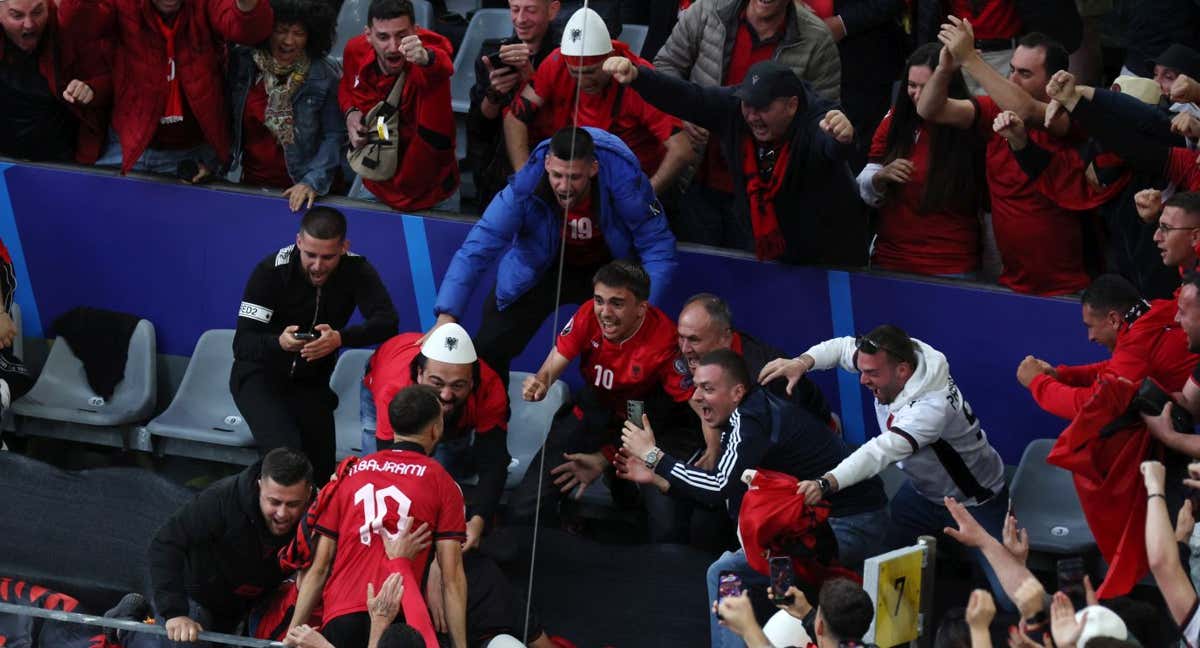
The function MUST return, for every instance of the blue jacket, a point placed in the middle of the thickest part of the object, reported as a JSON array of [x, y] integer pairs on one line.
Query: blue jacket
[[320, 128], [631, 218]]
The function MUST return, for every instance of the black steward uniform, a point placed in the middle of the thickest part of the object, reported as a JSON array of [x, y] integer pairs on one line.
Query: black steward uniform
[[217, 553], [286, 400]]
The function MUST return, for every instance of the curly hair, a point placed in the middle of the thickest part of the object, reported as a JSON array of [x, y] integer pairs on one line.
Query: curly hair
[[315, 16]]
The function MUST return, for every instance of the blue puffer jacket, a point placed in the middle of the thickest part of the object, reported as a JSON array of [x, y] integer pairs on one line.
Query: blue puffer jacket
[[320, 128], [631, 218]]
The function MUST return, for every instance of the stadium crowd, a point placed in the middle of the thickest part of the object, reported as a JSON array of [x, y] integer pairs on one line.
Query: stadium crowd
[[971, 140]]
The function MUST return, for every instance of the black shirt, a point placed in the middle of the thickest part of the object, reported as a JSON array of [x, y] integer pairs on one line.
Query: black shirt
[[37, 125]]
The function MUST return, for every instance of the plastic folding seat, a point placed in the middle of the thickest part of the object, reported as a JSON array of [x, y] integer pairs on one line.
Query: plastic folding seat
[[63, 405], [634, 36], [1045, 503], [202, 420], [485, 24], [346, 382], [529, 423], [353, 17]]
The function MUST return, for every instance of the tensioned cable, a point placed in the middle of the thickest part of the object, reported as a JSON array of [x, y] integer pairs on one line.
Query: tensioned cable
[[562, 252], [134, 626]]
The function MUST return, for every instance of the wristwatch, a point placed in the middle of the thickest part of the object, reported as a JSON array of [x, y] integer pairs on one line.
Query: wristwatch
[[826, 487], [653, 455]]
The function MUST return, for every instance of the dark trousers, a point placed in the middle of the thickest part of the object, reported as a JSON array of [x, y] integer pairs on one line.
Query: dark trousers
[[493, 607], [286, 414], [667, 518], [349, 630], [504, 334], [706, 216]]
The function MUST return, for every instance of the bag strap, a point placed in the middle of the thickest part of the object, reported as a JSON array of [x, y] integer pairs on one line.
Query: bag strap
[[393, 97]]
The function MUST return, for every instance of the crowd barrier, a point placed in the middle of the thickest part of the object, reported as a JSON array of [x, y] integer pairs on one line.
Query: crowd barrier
[[180, 255]]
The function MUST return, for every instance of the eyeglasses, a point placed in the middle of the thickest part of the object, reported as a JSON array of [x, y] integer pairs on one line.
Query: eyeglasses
[[1164, 228], [871, 347]]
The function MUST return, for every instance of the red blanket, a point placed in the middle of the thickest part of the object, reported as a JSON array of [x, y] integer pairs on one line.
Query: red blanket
[[1108, 482]]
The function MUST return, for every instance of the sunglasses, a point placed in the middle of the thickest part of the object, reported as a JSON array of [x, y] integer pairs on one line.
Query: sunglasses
[[766, 164], [870, 347]]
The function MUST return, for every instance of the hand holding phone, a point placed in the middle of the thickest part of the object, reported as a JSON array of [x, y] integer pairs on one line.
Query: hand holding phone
[[728, 584], [634, 409], [782, 579]]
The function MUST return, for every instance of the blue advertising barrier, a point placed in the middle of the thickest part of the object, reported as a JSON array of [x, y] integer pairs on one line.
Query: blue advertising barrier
[[180, 255]]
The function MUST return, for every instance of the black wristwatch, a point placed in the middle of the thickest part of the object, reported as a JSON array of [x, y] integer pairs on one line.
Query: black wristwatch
[[826, 487]]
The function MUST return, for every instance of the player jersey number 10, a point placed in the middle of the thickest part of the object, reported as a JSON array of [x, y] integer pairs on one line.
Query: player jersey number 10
[[604, 377], [375, 508]]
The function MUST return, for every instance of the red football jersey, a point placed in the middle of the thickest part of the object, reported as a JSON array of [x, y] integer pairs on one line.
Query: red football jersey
[[381, 489], [391, 371], [625, 370]]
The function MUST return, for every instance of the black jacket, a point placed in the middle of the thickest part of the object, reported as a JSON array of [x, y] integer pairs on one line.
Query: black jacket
[[279, 295], [486, 153], [217, 550], [805, 394], [820, 214], [768, 432]]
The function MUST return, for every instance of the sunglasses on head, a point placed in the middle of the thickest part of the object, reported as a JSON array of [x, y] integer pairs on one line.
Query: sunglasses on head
[[870, 347]]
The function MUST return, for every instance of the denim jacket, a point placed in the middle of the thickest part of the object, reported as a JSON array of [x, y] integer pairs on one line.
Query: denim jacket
[[320, 129]]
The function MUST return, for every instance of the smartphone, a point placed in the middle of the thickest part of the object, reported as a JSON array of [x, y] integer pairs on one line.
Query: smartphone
[[1070, 581], [306, 336], [782, 579], [634, 409], [494, 57], [728, 584]]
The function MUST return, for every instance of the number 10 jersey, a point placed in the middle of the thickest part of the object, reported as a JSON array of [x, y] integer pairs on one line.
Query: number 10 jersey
[[380, 490]]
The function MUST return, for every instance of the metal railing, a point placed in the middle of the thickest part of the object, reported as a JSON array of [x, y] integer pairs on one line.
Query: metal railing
[[133, 626]]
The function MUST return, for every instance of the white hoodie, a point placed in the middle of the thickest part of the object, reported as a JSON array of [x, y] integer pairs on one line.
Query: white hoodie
[[928, 431]]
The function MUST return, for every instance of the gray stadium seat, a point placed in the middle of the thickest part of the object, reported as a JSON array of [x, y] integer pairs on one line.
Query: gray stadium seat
[[62, 405], [485, 24], [529, 423], [353, 17], [1045, 503], [346, 383], [634, 36], [202, 420], [464, 7]]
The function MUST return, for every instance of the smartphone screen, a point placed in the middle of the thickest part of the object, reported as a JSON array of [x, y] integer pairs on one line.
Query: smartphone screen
[[634, 410], [781, 579], [729, 584], [304, 336], [1070, 581]]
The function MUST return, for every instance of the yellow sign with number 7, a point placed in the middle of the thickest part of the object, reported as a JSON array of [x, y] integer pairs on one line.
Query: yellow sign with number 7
[[897, 595]]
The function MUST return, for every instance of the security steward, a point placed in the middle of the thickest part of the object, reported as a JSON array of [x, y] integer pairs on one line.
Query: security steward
[[216, 556], [291, 322]]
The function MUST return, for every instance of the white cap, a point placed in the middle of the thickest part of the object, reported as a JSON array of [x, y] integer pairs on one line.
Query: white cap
[[1139, 88], [1101, 622], [586, 35], [449, 343], [505, 641]]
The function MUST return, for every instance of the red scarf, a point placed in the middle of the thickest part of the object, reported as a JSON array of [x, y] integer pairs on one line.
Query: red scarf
[[768, 240], [174, 110]]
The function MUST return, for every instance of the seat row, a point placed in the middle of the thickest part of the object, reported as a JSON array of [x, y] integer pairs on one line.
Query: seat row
[[202, 420]]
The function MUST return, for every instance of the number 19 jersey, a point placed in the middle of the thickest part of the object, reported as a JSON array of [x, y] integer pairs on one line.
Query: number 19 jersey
[[380, 490]]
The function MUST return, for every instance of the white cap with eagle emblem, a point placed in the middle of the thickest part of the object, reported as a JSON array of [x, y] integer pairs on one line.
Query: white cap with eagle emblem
[[449, 343], [586, 36]]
